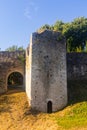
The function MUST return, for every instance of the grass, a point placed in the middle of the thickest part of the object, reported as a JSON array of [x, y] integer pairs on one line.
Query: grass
[[74, 117], [15, 113]]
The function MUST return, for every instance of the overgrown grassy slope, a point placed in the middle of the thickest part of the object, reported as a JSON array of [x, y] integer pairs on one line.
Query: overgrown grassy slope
[[15, 113]]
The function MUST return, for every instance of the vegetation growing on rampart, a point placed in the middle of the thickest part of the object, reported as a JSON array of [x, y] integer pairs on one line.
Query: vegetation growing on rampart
[[75, 33]]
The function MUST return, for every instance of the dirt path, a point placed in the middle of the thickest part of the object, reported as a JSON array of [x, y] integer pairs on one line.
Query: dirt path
[[15, 114]]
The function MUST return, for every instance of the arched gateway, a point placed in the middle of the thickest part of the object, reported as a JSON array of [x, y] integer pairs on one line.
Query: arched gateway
[[15, 80], [11, 64]]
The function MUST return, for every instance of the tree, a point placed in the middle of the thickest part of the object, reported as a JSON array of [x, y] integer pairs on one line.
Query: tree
[[75, 33], [15, 48], [58, 26], [44, 27]]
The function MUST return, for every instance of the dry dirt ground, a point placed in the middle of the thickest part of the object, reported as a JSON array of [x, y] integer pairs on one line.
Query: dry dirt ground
[[15, 114]]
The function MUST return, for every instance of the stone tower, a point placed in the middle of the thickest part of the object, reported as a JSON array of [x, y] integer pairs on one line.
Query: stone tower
[[46, 73]]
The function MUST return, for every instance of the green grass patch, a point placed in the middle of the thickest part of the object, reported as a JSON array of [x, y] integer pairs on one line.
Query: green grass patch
[[75, 115]]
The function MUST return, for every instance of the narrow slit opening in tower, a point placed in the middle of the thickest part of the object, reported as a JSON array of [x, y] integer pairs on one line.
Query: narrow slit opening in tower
[[49, 107]]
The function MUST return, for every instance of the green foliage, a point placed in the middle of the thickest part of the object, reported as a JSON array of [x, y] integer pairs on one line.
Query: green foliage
[[60, 38], [76, 117], [58, 26], [15, 48], [75, 33], [21, 58], [78, 49], [45, 27]]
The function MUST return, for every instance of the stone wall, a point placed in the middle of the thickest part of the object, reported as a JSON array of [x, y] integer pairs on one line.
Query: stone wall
[[10, 62], [46, 70], [77, 66], [46, 78]]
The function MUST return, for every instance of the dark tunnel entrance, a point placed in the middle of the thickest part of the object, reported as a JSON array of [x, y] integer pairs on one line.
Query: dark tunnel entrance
[[15, 80]]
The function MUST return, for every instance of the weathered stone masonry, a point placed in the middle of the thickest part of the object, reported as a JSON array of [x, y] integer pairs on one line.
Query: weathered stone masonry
[[77, 66], [46, 78], [10, 62], [46, 70]]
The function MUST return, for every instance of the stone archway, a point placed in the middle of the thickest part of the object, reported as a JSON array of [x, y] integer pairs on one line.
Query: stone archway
[[15, 80]]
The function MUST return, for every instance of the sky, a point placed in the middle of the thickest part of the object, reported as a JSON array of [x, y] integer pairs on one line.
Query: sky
[[20, 18]]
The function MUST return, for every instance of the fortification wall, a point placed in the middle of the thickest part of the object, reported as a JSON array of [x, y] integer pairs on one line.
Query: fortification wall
[[46, 80], [77, 66], [10, 62]]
